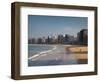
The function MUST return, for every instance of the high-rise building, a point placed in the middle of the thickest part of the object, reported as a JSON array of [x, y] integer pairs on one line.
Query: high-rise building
[[82, 36], [60, 39]]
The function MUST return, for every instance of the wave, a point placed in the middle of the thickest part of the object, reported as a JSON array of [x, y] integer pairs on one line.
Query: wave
[[43, 52]]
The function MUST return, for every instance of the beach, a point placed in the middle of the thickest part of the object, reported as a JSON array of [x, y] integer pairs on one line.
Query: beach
[[80, 52], [60, 55]]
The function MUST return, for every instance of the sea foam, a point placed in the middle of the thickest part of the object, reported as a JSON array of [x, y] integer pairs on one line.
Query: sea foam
[[43, 52]]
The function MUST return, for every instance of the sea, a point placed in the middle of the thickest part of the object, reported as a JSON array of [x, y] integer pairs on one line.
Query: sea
[[34, 49], [57, 53]]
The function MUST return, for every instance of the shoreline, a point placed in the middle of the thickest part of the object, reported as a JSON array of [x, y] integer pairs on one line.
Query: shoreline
[[42, 52], [74, 49], [62, 55]]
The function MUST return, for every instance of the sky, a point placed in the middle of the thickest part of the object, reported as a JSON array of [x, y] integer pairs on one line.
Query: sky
[[39, 26]]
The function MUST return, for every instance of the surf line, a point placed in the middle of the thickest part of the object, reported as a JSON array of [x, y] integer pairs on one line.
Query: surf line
[[43, 52]]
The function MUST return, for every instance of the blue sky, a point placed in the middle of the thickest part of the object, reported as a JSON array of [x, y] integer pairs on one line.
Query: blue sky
[[39, 26]]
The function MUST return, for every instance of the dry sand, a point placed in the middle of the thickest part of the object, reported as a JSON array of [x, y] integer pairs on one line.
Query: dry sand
[[81, 52]]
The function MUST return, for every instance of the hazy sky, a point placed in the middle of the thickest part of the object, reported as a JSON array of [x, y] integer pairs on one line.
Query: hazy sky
[[39, 26]]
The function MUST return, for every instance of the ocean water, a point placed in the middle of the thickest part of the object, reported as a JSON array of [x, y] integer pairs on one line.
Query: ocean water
[[34, 49]]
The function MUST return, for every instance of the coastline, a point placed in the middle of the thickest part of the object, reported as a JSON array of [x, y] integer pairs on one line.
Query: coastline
[[43, 52], [60, 55]]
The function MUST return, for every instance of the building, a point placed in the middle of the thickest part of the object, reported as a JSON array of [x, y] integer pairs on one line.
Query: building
[[82, 37], [31, 41], [60, 39], [39, 40]]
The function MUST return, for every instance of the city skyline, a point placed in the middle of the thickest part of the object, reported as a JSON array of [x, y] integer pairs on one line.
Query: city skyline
[[44, 26], [82, 38]]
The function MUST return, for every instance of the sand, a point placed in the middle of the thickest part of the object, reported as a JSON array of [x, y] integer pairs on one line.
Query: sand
[[79, 51]]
